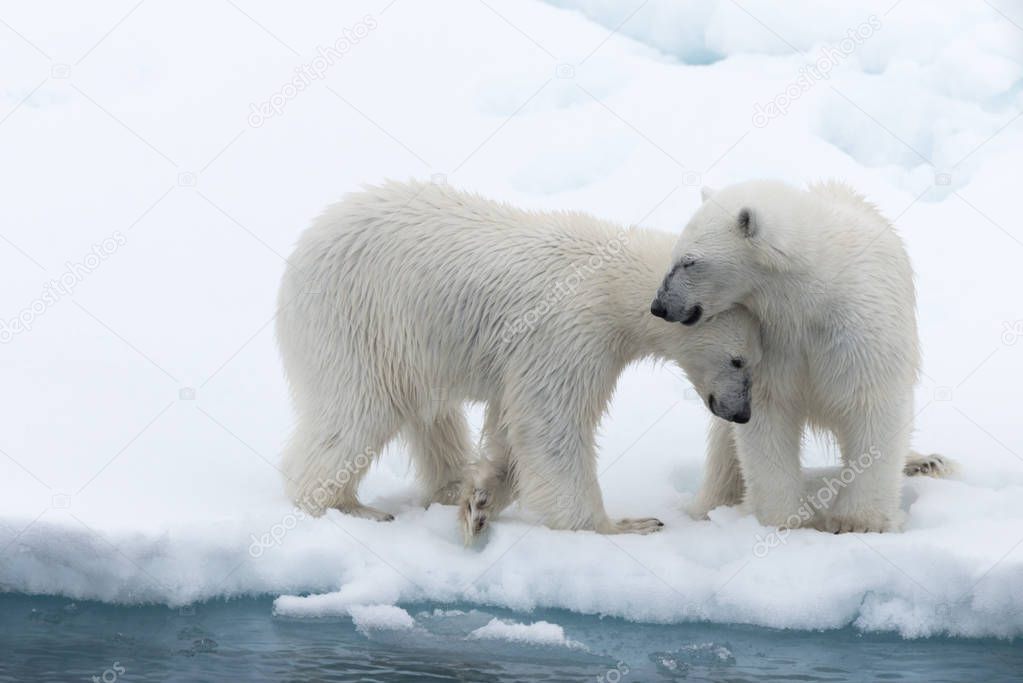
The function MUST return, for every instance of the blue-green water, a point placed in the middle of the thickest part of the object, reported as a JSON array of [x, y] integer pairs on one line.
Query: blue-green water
[[53, 639]]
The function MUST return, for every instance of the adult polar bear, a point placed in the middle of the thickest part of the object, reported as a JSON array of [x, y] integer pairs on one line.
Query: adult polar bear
[[402, 302], [832, 286]]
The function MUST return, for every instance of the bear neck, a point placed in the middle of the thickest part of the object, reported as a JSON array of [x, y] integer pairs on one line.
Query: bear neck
[[793, 274], [640, 273], [776, 294]]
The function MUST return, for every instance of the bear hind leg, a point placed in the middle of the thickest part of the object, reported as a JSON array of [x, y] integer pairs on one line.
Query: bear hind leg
[[722, 480], [323, 464]]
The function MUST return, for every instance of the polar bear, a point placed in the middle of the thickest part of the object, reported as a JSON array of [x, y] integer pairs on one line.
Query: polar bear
[[832, 287], [406, 300]]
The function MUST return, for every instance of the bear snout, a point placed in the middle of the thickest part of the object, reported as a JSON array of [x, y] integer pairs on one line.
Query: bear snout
[[668, 309], [739, 414], [658, 309]]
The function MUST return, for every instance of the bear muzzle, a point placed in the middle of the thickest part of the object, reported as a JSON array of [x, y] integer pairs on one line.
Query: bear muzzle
[[674, 314], [739, 413]]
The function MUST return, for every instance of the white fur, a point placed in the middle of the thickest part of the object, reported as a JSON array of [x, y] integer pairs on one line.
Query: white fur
[[405, 301], [832, 286]]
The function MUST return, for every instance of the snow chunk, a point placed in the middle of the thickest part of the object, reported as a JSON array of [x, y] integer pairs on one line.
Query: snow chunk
[[381, 618], [537, 633]]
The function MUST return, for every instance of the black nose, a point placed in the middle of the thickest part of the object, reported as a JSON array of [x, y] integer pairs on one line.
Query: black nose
[[741, 416], [658, 309]]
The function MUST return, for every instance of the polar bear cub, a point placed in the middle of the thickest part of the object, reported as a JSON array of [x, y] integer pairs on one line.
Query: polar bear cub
[[831, 284], [405, 301]]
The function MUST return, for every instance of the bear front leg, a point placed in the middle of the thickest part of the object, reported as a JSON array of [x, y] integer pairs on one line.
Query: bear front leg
[[874, 448], [722, 478], [556, 473], [768, 449], [490, 488]]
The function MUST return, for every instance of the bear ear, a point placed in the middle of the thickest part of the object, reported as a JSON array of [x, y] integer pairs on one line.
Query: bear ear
[[748, 222], [706, 193]]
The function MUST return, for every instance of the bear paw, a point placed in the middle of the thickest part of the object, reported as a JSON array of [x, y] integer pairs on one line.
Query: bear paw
[[641, 525], [365, 512], [932, 465], [473, 514], [862, 523], [698, 510]]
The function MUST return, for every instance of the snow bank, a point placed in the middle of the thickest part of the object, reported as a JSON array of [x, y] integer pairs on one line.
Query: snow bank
[[162, 174], [952, 571]]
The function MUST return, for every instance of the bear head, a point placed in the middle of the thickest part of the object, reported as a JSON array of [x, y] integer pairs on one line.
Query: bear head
[[718, 357], [738, 236]]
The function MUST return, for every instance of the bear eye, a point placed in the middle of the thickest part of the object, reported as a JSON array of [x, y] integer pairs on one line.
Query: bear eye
[[688, 261], [738, 362]]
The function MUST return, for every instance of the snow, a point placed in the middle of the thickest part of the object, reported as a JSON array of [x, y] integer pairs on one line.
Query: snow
[[144, 404], [537, 633], [381, 617]]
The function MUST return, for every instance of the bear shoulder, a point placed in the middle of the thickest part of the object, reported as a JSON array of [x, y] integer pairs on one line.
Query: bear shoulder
[[840, 192]]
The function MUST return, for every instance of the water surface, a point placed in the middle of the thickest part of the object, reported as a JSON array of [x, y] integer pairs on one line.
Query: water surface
[[54, 639]]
